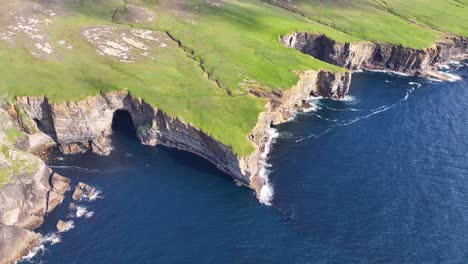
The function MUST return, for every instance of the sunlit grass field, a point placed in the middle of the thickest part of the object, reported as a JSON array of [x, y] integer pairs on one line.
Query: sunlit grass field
[[217, 47]]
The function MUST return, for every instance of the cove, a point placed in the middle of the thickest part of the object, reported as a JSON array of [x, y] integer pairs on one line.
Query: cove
[[380, 177]]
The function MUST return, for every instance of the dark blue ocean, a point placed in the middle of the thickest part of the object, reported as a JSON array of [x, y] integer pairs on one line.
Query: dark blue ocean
[[381, 177]]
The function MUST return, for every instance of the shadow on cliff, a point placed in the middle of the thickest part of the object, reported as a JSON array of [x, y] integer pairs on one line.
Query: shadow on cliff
[[122, 124]]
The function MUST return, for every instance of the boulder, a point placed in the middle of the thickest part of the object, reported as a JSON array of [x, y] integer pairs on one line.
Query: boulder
[[64, 226]]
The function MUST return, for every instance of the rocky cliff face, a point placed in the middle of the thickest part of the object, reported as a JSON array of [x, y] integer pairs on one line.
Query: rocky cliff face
[[370, 55], [28, 190], [87, 124], [15, 242]]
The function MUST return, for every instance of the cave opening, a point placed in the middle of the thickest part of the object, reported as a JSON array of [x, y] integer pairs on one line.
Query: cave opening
[[122, 123]]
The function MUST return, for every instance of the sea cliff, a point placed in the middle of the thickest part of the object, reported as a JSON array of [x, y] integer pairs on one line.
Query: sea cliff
[[29, 189], [86, 125], [380, 56]]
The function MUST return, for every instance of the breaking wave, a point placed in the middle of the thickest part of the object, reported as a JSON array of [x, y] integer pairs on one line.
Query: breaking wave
[[50, 239], [83, 211]]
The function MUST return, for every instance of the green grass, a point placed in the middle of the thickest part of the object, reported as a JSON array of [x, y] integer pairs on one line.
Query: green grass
[[367, 20], [17, 163], [447, 16], [13, 134], [234, 43]]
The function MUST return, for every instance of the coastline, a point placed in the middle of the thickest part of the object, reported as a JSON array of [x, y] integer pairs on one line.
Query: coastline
[[74, 130]]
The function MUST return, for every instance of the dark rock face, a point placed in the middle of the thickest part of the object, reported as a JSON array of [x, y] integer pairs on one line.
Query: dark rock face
[[369, 55]]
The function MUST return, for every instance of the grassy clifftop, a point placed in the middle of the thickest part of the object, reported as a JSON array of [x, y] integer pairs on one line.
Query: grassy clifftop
[[194, 59]]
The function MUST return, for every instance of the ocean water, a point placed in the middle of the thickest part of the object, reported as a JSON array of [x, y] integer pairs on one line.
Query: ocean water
[[380, 177]]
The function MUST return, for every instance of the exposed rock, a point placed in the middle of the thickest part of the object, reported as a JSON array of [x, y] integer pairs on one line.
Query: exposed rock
[[78, 126], [370, 55], [82, 190], [39, 142], [15, 242], [23, 202], [64, 226], [87, 124], [77, 194], [27, 192], [60, 184]]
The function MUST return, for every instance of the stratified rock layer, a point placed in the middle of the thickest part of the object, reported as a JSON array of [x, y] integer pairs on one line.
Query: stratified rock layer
[[368, 55], [87, 124], [29, 191]]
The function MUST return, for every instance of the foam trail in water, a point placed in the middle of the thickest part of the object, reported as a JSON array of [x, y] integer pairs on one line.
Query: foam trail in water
[[266, 192], [416, 84], [390, 72], [345, 109], [372, 113], [84, 169], [324, 118], [69, 167]]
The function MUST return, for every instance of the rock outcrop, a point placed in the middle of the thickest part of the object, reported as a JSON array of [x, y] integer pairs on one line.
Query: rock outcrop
[[15, 242], [64, 226], [83, 190], [87, 124], [28, 189], [368, 55]]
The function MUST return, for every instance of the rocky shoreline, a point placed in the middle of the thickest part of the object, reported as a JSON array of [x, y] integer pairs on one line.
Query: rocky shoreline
[[87, 125], [377, 56]]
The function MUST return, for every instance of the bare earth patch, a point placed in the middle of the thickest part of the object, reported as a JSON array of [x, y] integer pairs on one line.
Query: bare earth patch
[[125, 45], [27, 24]]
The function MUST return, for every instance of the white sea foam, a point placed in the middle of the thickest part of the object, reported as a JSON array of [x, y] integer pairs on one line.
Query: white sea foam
[[81, 211], [324, 118], [33, 252], [372, 112], [50, 239], [344, 109], [266, 192], [69, 167], [95, 194], [89, 214], [453, 77], [390, 72], [312, 108], [444, 67], [347, 98], [416, 84]]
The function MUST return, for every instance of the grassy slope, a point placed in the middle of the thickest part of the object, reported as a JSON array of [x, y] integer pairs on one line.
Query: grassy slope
[[366, 19], [447, 16], [235, 41]]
